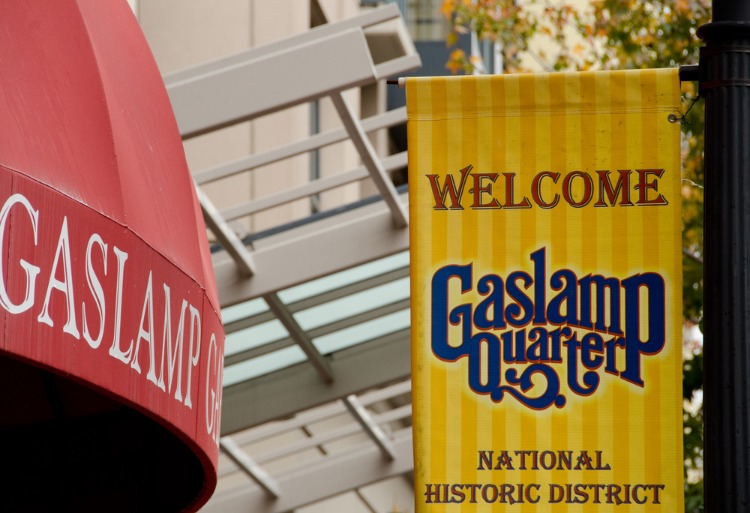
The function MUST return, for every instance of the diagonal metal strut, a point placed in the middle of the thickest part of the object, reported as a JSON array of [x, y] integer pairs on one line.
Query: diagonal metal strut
[[372, 429], [226, 236], [371, 160], [243, 460], [300, 337]]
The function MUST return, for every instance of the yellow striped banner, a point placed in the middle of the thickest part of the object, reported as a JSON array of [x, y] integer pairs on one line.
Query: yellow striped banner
[[546, 292]]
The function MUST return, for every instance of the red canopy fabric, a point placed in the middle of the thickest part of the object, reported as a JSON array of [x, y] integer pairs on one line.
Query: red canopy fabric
[[107, 294]]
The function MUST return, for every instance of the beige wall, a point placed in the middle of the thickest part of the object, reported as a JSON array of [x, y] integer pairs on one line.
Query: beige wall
[[183, 33]]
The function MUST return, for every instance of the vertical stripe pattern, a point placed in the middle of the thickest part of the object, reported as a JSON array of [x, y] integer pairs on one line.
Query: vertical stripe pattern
[[546, 292]]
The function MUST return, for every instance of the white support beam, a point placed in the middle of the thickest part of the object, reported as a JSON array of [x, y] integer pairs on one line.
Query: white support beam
[[283, 393], [279, 428], [332, 409], [389, 164], [384, 120], [367, 232], [286, 196], [315, 441], [319, 299], [320, 331], [371, 161], [328, 436], [314, 482], [226, 468], [299, 336], [226, 236], [373, 430], [365, 501], [373, 17], [400, 413], [397, 66], [262, 85], [243, 460]]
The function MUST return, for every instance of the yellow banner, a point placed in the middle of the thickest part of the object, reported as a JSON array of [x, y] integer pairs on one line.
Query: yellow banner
[[546, 292]]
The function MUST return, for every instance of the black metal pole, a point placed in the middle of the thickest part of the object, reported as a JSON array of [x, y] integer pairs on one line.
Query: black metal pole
[[725, 85]]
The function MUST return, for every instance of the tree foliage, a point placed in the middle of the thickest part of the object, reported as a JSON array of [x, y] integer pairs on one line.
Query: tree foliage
[[498, 21], [616, 34]]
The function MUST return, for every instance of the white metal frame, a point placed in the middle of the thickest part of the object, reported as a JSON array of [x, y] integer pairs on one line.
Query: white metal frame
[[330, 474], [324, 62]]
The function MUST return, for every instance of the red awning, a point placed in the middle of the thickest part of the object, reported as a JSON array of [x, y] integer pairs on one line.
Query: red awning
[[112, 345]]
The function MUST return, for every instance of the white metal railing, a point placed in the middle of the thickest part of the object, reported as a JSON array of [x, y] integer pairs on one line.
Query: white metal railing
[[322, 62], [277, 430]]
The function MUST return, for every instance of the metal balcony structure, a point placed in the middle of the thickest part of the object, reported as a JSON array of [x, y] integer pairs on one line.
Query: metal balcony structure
[[317, 392]]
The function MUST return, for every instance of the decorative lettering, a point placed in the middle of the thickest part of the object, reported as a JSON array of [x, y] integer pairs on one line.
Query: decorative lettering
[[516, 338]]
